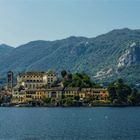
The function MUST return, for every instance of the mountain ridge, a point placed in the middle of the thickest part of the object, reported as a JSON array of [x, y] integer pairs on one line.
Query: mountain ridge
[[98, 56], [5, 49]]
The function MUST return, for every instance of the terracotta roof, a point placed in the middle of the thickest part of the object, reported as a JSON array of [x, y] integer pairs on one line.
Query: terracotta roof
[[31, 73]]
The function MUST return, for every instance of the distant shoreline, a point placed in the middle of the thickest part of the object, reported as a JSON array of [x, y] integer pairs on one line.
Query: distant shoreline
[[53, 106]]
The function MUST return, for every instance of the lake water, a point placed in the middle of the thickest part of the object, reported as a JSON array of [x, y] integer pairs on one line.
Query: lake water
[[99, 123]]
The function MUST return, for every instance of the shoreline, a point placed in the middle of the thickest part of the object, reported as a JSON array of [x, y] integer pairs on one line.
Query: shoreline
[[51, 106]]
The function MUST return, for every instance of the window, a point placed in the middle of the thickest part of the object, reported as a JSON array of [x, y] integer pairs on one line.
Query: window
[[53, 94]]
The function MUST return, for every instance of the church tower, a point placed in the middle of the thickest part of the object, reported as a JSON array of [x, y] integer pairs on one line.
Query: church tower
[[10, 80]]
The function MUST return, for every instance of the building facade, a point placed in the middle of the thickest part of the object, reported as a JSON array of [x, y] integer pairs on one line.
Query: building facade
[[96, 93], [30, 95], [54, 93], [71, 91], [19, 97], [33, 80]]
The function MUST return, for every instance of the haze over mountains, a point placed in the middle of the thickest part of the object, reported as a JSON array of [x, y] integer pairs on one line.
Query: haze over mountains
[[105, 57]]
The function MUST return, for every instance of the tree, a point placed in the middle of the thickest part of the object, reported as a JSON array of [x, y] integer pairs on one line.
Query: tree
[[120, 81], [46, 100], [63, 73], [69, 101], [77, 98], [69, 77], [112, 92], [81, 80], [134, 98], [119, 91]]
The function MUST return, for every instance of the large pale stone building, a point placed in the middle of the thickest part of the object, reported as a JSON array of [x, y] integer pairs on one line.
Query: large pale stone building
[[33, 80]]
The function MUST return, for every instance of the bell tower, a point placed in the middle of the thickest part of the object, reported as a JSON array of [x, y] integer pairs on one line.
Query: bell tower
[[10, 77]]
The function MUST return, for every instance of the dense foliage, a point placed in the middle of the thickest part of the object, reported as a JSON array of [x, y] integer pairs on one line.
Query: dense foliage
[[81, 80], [121, 93]]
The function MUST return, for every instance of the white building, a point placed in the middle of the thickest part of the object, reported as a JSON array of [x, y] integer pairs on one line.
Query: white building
[[32, 80]]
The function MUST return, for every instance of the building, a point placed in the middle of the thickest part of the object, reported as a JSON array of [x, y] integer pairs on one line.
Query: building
[[19, 97], [71, 91], [34, 94], [28, 95], [54, 93], [33, 80], [5, 96], [96, 93]]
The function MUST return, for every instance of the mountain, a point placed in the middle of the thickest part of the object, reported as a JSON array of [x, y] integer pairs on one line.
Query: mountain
[[5, 49], [105, 57], [130, 56]]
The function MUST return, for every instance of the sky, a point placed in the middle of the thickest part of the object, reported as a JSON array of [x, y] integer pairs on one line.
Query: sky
[[22, 21]]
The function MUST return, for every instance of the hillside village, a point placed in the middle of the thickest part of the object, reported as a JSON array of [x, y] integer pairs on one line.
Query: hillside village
[[47, 89]]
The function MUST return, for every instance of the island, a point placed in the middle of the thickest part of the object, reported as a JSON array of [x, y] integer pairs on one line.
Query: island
[[49, 89]]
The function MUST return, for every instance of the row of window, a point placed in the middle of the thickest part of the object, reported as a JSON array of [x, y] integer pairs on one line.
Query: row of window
[[37, 76], [70, 92], [34, 81], [32, 85], [30, 76]]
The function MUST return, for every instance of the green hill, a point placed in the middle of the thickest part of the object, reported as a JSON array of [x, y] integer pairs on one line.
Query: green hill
[[104, 57]]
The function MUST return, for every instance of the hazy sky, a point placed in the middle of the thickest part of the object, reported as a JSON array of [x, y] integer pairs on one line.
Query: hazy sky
[[22, 21]]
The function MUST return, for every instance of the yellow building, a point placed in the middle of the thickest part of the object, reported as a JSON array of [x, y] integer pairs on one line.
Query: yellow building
[[83, 93], [34, 94], [96, 93], [56, 93], [28, 95], [71, 91], [32, 80], [19, 97]]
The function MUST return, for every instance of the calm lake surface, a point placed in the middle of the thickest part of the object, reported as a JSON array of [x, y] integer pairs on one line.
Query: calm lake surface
[[99, 123]]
